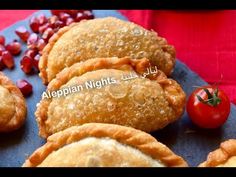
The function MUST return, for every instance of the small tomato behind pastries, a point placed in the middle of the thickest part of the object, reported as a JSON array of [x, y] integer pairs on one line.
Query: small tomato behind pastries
[[208, 107]]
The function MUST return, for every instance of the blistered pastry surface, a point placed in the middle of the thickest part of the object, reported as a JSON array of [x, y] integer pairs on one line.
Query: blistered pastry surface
[[143, 103], [104, 37], [12, 106], [99, 152], [60, 143], [138, 103], [7, 106]]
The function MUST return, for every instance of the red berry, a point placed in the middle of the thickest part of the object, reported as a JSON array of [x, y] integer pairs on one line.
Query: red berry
[[79, 17], [85, 15], [2, 40], [73, 13], [44, 27], [59, 24], [52, 20], [7, 59], [56, 12], [2, 65], [81, 11], [14, 48], [63, 16], [41, 44], [32, 41], [25, 87], [47, 34], [36, 61], [22, 33], [2, 49], [69, 21], [26, 64], [42, 19], [34, 24], [31, 53], [88, 14]]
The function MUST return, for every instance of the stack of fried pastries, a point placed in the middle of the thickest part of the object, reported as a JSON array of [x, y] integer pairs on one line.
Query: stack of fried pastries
[[116, 73]]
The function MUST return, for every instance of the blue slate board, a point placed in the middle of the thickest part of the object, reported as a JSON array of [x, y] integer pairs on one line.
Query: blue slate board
[[182, 136]]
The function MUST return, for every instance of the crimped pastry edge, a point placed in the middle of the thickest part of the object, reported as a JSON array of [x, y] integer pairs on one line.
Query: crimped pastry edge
[[219, 156], [44, 58], [77, 69], [126, 135], [20, 105]]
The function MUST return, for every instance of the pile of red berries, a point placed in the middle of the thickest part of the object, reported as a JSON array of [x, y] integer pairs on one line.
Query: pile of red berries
[[7, 52], [43, 29]]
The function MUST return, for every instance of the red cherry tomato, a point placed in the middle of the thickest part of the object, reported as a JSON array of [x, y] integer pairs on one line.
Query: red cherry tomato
[[208, 107]]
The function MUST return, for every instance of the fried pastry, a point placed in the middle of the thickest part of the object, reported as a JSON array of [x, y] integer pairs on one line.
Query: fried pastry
[[225, 156], [103, 145], [146, 103], [103, 37], [12, 106]]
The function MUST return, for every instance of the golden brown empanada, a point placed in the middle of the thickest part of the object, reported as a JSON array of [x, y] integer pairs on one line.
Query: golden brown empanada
[[225, 156], [12, 105], [144, 103], [103, 37], [103, 145]]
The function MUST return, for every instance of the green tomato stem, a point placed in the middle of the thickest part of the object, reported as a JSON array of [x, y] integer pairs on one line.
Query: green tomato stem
[[212, 99]]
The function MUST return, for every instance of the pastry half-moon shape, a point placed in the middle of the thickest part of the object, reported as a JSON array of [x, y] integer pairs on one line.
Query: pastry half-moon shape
[[225, 156], [103, 145], [146, 103], [12, 105], [103, 37]]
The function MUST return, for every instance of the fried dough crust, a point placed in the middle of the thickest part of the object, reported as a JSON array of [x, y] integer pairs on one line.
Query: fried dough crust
[[225, 156], [116, 146], [103, 37], [12, 107], [147, 104]]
